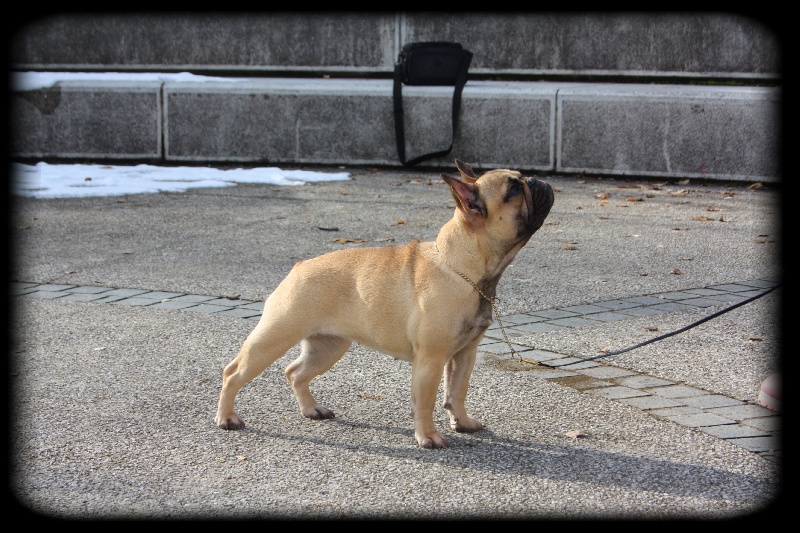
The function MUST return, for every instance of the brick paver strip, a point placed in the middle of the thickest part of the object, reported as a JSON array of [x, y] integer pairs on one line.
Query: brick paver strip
[[572, 322], [641, 311], [742, 412], [521, 318], [172, 304], [672, 306], [700, 420], [85, 289], [551, 314], [768, 423], [733, 431], [125, 293], [585, 309], [677, 295], [206, 308], [83, 297], [239, 313], [617, 304], [609, 316], [194, 298], [160, 295], [700, 302], [670, 412], [676, 391], [641, 382], [136, 301], [539, 327], [651, 402], [758, 444], [50, 287], [616, 393], [743, 424], [711, 400], [606, 372], [48, 295]]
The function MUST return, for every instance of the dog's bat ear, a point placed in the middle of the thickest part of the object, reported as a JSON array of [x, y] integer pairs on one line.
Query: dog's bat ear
[[467, 197], [466, 172]]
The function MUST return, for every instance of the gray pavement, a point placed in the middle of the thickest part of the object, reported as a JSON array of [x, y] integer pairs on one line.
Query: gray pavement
[[126, 309]]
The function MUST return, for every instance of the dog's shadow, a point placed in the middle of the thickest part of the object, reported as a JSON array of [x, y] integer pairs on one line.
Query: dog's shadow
[[490, 452]]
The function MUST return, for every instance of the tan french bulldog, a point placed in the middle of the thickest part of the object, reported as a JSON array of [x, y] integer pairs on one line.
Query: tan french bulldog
[[423, 302]]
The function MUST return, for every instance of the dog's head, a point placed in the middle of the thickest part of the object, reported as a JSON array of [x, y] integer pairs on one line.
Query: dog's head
[[506, 205]]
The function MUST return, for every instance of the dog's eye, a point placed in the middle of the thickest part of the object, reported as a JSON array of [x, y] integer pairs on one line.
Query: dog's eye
[[514, 189]]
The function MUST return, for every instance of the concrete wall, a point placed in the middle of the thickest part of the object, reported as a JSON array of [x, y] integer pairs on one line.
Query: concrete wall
[[314, 88], [612, 44]]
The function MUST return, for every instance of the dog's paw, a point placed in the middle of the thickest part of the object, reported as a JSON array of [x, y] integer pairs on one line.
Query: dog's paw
[[318, 412], [432, 441], [231, 422], [467, 425]]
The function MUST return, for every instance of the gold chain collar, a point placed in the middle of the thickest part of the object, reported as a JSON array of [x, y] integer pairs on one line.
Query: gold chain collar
[[491, 302]]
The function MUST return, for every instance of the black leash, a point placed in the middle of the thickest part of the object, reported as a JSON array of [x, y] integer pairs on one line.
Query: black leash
[[664, 336]]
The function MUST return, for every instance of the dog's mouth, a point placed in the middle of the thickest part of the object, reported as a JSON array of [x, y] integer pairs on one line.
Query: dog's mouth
[[539, 199]]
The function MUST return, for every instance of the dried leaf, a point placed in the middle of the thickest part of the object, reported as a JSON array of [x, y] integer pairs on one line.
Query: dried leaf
[[756, 185], [345, 240], [651, 328], [327, 229], [241, 457], [676, 271], [601, 195], [632, 199], [755, 339], [576, 433], [710, 208], [701, 218], [399, 222]]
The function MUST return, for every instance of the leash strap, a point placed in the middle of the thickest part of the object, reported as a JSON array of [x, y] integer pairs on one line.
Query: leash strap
[[664, 336]]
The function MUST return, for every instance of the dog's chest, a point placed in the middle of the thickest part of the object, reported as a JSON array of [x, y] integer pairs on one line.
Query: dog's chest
[[479, 321]]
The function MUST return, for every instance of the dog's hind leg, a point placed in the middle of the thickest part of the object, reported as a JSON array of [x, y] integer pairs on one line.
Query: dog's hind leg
[[261, 348], [318, 354]]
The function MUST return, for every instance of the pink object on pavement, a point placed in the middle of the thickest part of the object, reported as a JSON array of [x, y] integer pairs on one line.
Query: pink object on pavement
[[770, 394]]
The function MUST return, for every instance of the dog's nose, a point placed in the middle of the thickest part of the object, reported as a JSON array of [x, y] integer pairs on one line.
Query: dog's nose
[[542, 195]]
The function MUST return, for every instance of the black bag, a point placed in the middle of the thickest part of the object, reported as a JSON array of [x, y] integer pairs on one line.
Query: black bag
[[428, 63]]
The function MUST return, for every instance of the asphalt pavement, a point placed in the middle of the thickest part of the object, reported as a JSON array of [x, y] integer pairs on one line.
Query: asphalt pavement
[[126, 309]]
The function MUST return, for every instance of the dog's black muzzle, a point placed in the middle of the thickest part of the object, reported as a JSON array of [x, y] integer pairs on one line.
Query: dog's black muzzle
[[539, 198]]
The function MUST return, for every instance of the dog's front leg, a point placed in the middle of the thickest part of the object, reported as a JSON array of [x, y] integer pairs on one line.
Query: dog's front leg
[[456, 382], [426, 374]]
